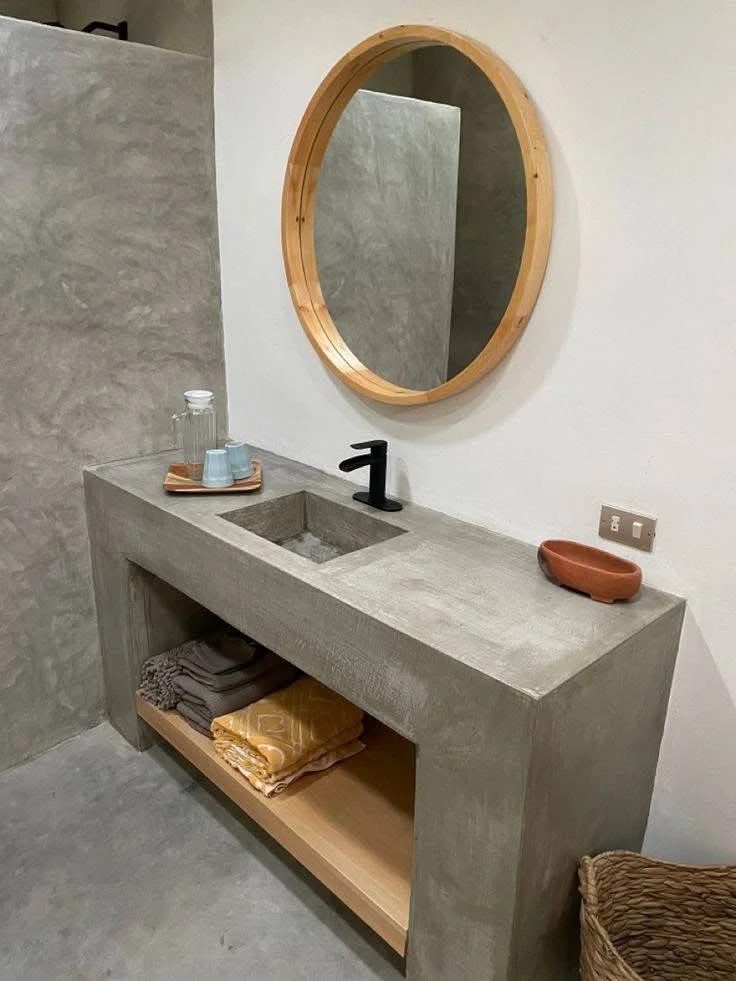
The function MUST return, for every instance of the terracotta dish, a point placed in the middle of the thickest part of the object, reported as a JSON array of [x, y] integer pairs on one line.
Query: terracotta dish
[[604, 577]]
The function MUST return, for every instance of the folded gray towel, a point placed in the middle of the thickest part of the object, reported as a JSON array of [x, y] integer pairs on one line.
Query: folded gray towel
[[197, 720], [263, 662], [213, 703], [219, 652], [223, 659], [158, 676]]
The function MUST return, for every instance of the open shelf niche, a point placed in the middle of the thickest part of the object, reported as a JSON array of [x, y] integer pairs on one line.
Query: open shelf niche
[[351, 826]]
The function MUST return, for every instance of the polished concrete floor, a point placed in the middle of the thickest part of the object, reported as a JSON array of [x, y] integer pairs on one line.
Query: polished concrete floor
[[121, 865]]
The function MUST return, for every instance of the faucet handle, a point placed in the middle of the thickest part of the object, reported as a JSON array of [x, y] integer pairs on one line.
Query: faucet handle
[[372, 444]]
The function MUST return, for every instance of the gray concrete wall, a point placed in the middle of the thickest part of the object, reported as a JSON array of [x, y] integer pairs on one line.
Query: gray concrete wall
[[491, 207], [76, 14], [176, 25], [39, 10], [109, 309], [385, 234], [180, 25]]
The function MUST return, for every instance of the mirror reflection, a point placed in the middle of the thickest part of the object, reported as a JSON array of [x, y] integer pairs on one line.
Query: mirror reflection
[[421, 217]]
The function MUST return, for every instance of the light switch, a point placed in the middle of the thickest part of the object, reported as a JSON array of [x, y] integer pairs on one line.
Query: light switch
[[627, 527]]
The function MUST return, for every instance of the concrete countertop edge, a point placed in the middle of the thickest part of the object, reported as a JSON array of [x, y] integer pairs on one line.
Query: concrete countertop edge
[[310, 576]]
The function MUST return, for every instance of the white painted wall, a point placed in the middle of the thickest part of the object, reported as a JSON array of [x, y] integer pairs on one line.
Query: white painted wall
[[622, 388]]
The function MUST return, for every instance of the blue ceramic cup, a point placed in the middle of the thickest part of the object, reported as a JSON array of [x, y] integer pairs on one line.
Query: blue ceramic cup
[[241, 461], [217, 472]]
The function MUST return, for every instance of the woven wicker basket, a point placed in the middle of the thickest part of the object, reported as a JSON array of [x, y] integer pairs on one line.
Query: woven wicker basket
[[644, 920]]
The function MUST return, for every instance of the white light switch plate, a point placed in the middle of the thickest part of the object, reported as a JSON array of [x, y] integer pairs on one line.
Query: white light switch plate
[[628, 528]]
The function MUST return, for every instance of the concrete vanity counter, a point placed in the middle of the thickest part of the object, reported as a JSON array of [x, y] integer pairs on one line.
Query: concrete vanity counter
[[537, 714]]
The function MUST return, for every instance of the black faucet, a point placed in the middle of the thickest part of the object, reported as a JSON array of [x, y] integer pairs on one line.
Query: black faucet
[[375, 496]]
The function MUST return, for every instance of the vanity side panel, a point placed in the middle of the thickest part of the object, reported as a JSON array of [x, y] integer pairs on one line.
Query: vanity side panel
[[596, 747], [137, 614], [472, 771], [120, 612]]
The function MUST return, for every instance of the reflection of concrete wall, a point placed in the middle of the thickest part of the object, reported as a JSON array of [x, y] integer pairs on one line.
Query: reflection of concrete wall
[[395, 77], [491, 206], [180, 25], [109, 310], [385, 234]]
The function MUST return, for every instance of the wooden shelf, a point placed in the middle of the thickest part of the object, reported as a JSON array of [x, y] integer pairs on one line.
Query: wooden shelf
[[351, 826]]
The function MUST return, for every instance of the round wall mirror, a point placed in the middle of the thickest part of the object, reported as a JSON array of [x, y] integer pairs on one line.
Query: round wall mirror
[[417, 214]]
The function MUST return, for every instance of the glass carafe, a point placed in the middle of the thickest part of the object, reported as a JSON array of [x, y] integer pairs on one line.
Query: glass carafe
[[196, 429]]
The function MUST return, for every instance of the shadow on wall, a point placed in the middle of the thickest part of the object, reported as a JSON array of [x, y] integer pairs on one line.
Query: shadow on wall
[[695, 792]]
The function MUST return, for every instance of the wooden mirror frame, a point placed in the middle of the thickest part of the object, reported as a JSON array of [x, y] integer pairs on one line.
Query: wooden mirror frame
[[300, 195]]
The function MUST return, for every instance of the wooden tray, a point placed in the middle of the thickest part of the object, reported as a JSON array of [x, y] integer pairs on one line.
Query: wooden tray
[[177, 482]]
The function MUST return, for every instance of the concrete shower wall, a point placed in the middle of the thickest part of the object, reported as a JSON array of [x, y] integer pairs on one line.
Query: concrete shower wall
[[385, 234], [109, 309]]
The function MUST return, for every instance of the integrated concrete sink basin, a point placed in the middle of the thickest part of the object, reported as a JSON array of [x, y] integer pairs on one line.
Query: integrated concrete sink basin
[[313, 527]]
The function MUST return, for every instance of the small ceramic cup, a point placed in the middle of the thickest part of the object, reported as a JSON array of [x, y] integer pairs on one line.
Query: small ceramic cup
[[241, 461], [217, 472]]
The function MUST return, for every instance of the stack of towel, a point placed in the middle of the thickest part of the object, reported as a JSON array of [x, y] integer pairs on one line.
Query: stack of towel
[[298, 730], [213, 676], [158, 677], [216, 679]]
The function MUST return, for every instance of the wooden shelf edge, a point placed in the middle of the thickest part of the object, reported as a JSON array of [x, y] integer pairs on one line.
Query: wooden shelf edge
[[387, 914]]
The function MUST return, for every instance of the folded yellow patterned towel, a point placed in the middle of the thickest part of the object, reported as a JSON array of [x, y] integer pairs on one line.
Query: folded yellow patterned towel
[[277, 784], [243, 758], [277, 736]]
